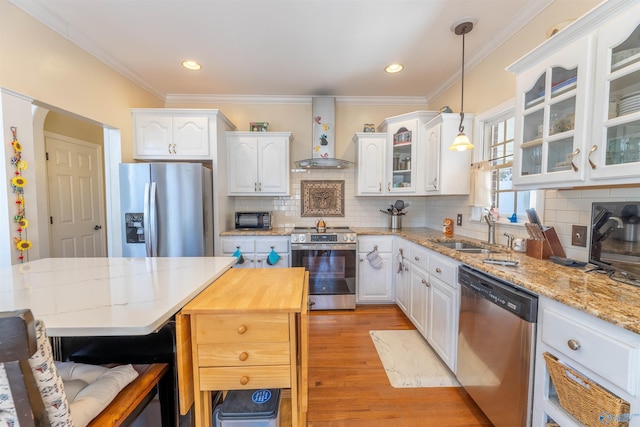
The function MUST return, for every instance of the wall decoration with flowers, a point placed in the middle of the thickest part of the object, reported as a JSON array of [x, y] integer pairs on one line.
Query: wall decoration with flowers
[[18, 182]]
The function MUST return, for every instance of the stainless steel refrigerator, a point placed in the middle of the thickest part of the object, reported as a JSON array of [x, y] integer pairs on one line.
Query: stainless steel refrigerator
[[166, 209]]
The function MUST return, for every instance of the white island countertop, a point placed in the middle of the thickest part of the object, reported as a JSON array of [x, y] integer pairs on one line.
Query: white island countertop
[[107, 296]]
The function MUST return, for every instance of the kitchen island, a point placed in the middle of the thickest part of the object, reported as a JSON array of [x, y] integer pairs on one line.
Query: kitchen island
[[107, 296]]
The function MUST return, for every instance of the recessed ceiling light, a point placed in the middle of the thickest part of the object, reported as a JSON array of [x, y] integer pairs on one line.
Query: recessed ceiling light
[[394, 68], [191, 65]]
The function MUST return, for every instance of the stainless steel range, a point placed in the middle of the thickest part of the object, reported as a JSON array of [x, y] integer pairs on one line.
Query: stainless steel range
[[330, 258]]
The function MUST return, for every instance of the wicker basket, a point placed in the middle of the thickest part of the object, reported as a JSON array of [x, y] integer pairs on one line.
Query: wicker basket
[[587, 401]]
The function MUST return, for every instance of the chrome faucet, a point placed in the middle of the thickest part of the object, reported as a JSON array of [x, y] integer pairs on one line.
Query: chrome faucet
[[510, 237], [491, 222]]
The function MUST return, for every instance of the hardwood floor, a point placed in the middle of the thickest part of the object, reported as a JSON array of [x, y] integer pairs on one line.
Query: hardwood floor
[[348, 385]]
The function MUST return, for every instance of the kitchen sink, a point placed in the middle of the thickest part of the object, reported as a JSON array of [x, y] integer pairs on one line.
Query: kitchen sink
[[466, 247]]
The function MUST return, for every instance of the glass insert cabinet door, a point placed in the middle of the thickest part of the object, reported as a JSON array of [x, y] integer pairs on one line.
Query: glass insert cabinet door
[[615, 152], [550, 118], [403, 141]]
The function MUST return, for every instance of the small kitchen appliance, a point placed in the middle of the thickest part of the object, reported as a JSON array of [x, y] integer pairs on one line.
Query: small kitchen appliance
[[615, 240], [330, 258], [253, 220]]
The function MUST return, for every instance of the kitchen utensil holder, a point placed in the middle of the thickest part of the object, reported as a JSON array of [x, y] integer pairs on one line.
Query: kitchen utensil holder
[[554, 242], [395, 222], [538, 249]]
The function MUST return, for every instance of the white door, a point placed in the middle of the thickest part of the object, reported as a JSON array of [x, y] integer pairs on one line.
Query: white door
[[76, 201]]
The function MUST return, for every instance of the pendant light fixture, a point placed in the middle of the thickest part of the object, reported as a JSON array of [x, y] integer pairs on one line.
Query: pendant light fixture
[[462, 143]]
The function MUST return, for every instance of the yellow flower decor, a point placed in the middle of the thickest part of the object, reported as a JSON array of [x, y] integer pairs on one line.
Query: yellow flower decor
[[18, 181], [23, 245]]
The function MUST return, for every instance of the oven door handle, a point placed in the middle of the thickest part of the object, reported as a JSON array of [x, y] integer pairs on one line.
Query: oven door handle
[[328, 246]]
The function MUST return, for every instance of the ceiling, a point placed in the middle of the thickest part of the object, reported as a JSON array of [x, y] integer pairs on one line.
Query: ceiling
[[286, 47]]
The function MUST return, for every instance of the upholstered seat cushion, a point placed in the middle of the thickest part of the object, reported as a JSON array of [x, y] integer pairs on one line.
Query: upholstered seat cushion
[[90, 388]]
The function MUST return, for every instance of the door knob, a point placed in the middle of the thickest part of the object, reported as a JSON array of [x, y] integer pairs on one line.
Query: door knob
[[97, 227]]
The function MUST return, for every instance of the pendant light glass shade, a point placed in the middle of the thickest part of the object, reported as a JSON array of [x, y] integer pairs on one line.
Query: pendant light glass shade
[[461, 142]]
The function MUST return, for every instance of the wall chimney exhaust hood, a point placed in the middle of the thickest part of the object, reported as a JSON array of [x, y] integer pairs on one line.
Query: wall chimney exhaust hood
[[323, 145]]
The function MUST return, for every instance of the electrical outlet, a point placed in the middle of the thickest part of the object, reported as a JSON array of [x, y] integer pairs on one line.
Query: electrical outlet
[[579, 235], [459, 220]]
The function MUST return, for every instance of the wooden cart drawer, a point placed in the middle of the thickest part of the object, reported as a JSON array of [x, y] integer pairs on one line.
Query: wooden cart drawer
[[230, 328], [236, 378], [597, 349], [240, 354]]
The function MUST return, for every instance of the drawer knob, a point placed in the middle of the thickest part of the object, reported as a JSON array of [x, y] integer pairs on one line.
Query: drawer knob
[[244, 380], [242, 329], [438, 270], [573, 344], [416, 258], [243, 356]]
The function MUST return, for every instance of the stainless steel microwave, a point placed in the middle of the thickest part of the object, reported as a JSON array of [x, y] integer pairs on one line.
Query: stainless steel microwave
[[253, 220]]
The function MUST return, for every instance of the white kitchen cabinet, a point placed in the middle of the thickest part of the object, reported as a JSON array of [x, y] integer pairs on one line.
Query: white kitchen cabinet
[[419, 298], [443, 308], [551, 116], [570, 130], [427, 291], [256, 249], [577, 340], [176, 134], [375, 285], [401, 267], [404, 153], [445, 172], [615, 149], [371, 151], [258, 163]]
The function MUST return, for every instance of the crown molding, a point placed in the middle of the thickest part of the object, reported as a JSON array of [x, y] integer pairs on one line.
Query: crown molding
[[284, 99]]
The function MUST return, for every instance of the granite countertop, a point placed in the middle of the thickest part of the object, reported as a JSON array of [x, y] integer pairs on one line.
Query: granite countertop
[[591, 292], [275, 231]]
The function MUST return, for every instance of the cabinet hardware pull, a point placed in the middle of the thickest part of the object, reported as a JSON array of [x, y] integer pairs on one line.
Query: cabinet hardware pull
[[244, 380], [573, 344], [242, 329], [416, 258], [174, 149], [380, 187], [438, 270], [169, 148], [243, 356], [406, 268], [389, 186], [424, 282], [593, 165], [575, 153], [255, 186]]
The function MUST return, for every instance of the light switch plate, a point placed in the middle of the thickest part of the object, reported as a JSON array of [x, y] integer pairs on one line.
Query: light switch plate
[[579, 235]]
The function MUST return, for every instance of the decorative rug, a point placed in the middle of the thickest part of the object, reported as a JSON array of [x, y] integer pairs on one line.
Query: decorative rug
[[409, 361]]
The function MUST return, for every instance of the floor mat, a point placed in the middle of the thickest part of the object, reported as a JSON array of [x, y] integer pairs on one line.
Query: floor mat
[[409, 361]]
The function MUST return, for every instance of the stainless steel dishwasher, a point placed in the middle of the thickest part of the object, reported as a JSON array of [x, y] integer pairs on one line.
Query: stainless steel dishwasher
[[496, 344]]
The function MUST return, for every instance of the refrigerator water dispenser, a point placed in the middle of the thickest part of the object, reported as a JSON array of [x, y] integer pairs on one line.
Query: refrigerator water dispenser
[[134, 227]]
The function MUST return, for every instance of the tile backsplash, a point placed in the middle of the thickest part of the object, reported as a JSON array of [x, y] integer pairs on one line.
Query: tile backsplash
[[562, 209], [358, 211]]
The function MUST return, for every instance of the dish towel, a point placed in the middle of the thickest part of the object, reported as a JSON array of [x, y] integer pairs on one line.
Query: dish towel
[[273, 257], [480, 185], [239, 256], [374, 259]]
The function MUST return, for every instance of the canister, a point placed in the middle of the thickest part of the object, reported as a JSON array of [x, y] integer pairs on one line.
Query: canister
[[447, 227]]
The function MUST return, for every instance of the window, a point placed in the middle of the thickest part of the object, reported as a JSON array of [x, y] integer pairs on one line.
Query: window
[[498, 133]]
